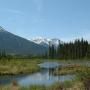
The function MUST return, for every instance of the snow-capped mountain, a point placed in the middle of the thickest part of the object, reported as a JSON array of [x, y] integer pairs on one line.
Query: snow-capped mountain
[[46, 42]]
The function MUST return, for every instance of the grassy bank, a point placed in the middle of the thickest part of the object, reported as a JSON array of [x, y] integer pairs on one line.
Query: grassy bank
[[72, 69], [68, 85], [21, 66], [14, 67]]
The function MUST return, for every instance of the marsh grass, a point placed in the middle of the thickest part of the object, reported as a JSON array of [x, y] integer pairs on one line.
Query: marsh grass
[[68, 85], [14, 67], [84, 77], [72, 69]]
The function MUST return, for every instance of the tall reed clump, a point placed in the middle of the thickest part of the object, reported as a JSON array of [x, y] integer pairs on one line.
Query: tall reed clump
[[84, 77]]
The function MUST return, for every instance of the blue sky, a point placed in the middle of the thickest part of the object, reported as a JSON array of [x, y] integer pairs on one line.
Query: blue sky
[[64, 19]]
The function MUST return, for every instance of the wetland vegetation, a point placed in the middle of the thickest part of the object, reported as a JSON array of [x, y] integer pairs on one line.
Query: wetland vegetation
[[31, 66], [73, 59]]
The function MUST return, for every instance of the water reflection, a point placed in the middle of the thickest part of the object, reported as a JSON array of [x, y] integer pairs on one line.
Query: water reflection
[[44, 77]]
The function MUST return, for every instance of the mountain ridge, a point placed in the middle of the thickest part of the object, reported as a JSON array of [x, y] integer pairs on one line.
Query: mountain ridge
[[15, 44], [46, 42]]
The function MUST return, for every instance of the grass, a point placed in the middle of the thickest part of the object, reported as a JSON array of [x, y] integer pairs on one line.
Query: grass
[[14, 67], [23, 66], [68, 85], [85, 78], [72, 69]]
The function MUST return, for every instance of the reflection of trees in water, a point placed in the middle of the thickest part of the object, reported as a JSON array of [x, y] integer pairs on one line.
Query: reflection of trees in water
[[49, 67], [51, 73]]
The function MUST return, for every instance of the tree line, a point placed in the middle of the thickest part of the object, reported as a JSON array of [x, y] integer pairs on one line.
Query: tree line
[[5, 56], [79, 49]]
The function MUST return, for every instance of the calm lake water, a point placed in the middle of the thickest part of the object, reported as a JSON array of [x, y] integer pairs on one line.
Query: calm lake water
[[44, 77]]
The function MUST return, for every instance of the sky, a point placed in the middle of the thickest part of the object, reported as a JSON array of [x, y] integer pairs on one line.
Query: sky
[[63, 19]]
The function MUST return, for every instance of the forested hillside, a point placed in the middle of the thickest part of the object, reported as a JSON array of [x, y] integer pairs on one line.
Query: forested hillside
[[79, 49]]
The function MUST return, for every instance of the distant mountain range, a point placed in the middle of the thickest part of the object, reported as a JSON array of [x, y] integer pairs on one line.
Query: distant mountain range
[[45, 42], [14, 44]]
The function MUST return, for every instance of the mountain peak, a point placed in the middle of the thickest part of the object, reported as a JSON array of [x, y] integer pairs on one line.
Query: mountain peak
[[45, 41], [2, 29], [40, 40]]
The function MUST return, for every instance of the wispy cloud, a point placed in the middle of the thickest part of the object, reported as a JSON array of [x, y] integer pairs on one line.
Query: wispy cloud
[[37, 17], [14, 11], [85, 35], [38, 4], [38, 20]]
